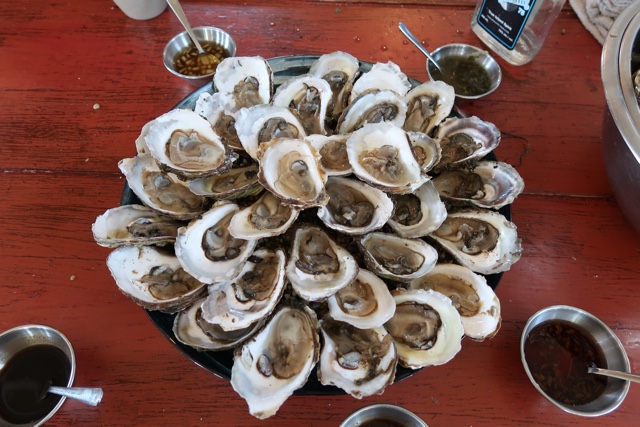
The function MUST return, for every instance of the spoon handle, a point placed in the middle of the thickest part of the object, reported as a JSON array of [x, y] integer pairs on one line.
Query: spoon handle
[[90, 396], [408, 34], [177, 9], [635, 378]]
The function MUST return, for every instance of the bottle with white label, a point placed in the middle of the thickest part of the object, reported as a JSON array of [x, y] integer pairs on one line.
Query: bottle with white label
[[515, 29]]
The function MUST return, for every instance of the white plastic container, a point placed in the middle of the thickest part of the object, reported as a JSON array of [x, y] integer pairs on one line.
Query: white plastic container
[[515, 29], [141, 9]]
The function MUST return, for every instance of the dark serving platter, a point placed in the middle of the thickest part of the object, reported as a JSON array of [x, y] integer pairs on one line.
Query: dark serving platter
[[219, 363]]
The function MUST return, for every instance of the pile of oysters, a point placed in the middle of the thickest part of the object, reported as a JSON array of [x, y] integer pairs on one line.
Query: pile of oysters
[[344, 222]]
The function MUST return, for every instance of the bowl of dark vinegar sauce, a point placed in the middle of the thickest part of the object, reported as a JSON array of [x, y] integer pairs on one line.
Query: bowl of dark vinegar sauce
[[32, 358], [557, 347], [383, 415]]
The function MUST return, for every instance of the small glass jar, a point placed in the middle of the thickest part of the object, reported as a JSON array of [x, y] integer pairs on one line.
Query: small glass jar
[[515, 29]]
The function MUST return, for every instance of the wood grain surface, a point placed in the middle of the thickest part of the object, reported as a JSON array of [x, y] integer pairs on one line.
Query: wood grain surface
[[78, 80]]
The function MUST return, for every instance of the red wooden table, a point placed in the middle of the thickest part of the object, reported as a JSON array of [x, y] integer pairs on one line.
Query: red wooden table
[[79, 79]]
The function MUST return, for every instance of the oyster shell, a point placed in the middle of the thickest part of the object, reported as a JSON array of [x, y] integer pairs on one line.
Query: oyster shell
[[340, 70], [162, 192], [463, 140], [476, 302], [269, 367], [425, 149], [373, 106], [248, 78], [262, 123], [354, 207], [264, 218], [365, 303], [191, 329], [317, 266], [380, 155], [183, 142], [481, 240], [290, 169], [333, 153], [428, 104], [362, 362], [134, 225], [489, 184], [206, 249], [236, 183], [396, 258], [310, 97], [220, 111], [153, 278], [426, 328], [419, 213], [382, 76], [250, 297]]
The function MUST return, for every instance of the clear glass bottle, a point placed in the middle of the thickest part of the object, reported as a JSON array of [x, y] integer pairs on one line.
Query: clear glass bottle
[[515, 29]]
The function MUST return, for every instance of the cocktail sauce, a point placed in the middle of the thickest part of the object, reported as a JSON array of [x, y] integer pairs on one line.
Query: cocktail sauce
[[24, 381], [558, 355]]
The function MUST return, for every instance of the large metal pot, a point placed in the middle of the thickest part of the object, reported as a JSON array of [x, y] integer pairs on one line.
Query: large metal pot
[[621, 125]]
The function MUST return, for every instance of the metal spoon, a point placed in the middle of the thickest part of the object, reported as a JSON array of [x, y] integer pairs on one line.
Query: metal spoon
[[634, 378], [177, 9], [90, 396], [414, 40]]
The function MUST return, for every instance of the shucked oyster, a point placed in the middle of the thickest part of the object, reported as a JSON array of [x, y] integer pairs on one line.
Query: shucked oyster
[[484, 241], [362, 362], [277, 361], [153, 278], [381, 77], [248, 78], [289, 168], [373, 106], [464, 140], [206, 249], [340, 70], [318, 267], [428, 104], [426, 328], [333, 153], [419, 213], [264, 218], [236, 183]]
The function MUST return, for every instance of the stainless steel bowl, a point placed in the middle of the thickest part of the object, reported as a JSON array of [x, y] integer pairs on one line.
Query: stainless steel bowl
[[22, 337], [383, 411], [621, 123], [182, 41], [612, 349], [465, 50]]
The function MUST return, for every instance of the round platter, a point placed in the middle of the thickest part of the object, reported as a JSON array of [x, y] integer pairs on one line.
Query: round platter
[[220, 362]]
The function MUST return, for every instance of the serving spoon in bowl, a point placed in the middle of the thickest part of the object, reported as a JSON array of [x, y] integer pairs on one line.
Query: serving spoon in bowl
[[90, 396], [634, 378], [203, 57], [408, 34]]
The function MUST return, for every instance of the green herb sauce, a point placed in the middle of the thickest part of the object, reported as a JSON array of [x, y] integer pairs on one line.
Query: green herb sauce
[[464, 73]]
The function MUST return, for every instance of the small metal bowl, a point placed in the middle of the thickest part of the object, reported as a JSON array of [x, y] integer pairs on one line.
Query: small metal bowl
[[614, 354], [182, 41], [465, 50], [383, 411], [22, 337]]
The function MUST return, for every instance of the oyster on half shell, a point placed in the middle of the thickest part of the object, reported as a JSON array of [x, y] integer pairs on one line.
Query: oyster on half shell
[[248, 78], [266, 217], [419, 213]]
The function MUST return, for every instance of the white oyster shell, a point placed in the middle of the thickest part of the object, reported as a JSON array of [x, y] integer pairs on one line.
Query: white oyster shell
[[191, 329], [340, 70], [419, 213], [248, 78], [470, 294], [153, 278], [220, 111], [365, 303], [250, 297], [333, 153], [183, 142], [310, 97], [380, 154], [318, 267], [233, 184], [362, 362], [428, 105], [425, 149], [277, 361], [465, 139], [160, 191], [395, 257], [266, 217], [262, 123], [489, 184], [290, 169], [382, 76], [206, 249], [373, 106], [133, 225], [426, 328], [482, 240]]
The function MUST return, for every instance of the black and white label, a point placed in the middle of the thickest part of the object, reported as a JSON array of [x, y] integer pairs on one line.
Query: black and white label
[[505, 19]]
